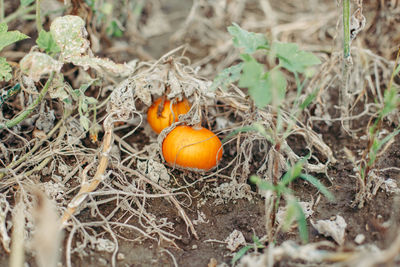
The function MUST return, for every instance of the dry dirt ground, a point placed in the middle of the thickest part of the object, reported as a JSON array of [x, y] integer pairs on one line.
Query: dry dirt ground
[[219, 203]]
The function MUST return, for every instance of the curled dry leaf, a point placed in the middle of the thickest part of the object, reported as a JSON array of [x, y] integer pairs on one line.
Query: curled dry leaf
[[70, 34], [306, 207], [36, 64], [156, 171], [333, 228], [235, 240]]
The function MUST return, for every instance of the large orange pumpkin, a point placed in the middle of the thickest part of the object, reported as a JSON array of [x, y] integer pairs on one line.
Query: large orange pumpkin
[[192, 148], [158, 123]]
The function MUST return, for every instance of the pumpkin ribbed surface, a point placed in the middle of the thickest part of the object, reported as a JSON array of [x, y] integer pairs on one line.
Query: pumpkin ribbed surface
[[192, 148], [158, 123]]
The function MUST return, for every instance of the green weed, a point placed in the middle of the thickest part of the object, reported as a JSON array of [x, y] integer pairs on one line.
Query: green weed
[[267, 87]]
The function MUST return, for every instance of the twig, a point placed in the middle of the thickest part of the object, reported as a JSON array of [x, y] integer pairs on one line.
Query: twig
[[18, 13], [38, 18], [98, 177], [17, 257], [344, 101], [1, 10]]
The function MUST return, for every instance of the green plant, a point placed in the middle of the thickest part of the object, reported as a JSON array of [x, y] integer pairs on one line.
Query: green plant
[[46, 42], [267, 88], [8, 38], [376, 145], [257, 244], [294, 212]]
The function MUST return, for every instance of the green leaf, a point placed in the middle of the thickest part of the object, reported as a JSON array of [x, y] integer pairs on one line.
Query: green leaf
[[377, 144], [293, 59], [390, 100], [256, 127], [397, 70], [26, 2], [315, 182], [84, 122], [264, 88], [250, 41], [46, 42], [5, 70], [83, 105], [90, 100], [240, 254], [226, 77], [262, 184], [114, 30], [276, 85], [309, 99], [292, 173], [252, 72], [290, 216], [301, 220], [7, 38]]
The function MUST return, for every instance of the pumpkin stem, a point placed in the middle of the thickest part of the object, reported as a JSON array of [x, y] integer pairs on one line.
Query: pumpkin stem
[[160, 107], [197, 126]]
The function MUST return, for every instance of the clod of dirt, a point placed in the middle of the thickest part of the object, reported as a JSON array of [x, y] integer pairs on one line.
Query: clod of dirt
[[235, 240], [335, 229]]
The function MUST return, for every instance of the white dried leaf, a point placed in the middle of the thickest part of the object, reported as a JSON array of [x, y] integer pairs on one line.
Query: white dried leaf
[[70, 34], [201, 218], [156, 171], [305, 206], [102, 64], [235, 240], [36, 64], [54, 191], [308, 252], [228, 191], [104, 245], [390, 186], [335, 229]]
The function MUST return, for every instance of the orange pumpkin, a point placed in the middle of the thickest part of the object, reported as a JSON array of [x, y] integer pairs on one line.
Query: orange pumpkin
[[158, 123], [192, 148]]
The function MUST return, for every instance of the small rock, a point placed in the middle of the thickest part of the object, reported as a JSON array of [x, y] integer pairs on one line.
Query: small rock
[[359, 239], [194, 247], [120, 256]]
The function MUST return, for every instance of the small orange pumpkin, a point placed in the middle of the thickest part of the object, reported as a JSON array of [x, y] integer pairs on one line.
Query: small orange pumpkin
[[192, 148], [158, 123]]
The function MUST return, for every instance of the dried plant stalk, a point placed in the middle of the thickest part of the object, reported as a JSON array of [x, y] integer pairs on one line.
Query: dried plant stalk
[[88, 187]]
